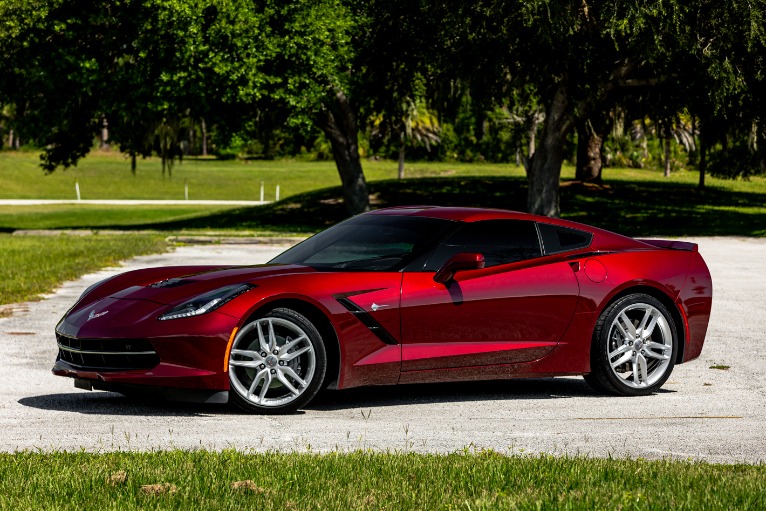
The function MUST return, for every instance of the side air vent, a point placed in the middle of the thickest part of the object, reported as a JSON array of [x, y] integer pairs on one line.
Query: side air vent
[[367, 319]]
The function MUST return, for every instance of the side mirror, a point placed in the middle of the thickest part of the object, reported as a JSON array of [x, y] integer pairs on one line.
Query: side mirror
[[459, 262]]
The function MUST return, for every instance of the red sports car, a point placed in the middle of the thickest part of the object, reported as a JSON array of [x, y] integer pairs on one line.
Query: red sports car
[[400, 295]]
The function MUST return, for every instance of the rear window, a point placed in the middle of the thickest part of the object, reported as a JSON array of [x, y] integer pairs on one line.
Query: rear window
[[562, 239]]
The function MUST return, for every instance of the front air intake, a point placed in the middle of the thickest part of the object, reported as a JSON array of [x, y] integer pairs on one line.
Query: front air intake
[[107, 354]]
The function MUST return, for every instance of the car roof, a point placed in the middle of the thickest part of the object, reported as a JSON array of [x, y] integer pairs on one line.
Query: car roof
[[603, 239], [461, 214]]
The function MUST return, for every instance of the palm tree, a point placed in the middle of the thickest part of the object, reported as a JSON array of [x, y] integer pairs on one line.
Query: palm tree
[[416, 125], [419, 126], [679, 127]]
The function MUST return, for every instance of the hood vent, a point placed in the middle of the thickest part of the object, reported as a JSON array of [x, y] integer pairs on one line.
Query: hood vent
[[172, 282]]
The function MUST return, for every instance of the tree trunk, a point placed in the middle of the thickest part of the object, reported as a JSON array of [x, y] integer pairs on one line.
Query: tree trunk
[[532, 134], [104, 134], [204, 137], [667, 157], [401, 157], [702, 162], [589, 145], [694, 152], [339, 125], [760, 149], [133, 163], [533, 122], [10, 138], [545, 168]]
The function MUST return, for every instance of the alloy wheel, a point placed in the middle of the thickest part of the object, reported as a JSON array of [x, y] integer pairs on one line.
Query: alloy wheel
[[272, 362]]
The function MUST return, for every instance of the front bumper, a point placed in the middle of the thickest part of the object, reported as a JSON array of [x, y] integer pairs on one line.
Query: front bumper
[[131, 347], [162, 375]]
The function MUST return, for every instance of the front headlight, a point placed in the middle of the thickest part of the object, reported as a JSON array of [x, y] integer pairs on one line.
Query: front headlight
[[206, 302]]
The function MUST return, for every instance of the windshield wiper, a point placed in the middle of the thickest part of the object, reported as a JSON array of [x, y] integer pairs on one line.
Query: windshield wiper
[[366, 261]]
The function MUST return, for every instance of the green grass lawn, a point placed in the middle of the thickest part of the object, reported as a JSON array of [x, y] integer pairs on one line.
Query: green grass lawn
[[636, 208], [273, 481], [88, 216], [31, 265], [631, 201], [107, 176]]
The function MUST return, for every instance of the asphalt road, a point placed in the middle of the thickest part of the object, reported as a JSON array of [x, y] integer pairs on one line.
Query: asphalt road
[[701, 413]]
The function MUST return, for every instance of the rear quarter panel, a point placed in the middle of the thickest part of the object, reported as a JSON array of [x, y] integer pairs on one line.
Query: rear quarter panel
[[664, 271], [696, 299]]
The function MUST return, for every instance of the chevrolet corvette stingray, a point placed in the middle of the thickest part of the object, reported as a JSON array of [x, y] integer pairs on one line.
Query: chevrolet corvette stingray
[[398, 295]]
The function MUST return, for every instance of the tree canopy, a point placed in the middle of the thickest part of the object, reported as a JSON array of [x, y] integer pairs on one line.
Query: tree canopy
[[520, 78]]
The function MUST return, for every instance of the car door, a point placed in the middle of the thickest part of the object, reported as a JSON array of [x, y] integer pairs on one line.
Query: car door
[[513, 310]]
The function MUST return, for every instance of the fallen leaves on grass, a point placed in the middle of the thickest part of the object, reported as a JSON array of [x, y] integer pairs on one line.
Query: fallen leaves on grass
[[247, 486], [158, 489], [117, 479]]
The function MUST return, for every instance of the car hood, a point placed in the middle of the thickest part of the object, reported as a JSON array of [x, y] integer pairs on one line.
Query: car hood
[[179, 283]]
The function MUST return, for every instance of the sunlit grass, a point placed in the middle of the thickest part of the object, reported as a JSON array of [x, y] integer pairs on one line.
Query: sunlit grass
[[107, 176], [31, 265], [632, 201], [274, 481], [89, 216]]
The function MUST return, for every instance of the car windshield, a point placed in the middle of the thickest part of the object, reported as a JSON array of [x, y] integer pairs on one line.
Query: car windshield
[[368, 243]]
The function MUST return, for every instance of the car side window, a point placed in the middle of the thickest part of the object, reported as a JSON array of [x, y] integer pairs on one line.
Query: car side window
[[558, 239], [500, 241]]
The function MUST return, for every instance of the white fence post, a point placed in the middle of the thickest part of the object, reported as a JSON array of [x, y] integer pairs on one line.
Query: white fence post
[[261, 191], [277, 200], [77, 189]]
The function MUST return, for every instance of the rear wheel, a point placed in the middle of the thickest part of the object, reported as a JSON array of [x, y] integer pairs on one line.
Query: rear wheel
[[634, 347], [277, 363]]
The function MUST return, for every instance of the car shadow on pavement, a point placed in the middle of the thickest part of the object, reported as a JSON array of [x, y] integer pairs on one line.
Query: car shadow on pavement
[[454, 392], [111, 403]]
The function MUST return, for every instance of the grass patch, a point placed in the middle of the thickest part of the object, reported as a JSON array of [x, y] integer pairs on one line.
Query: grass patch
[[720, 367], [629, 207], [107, 176], [638, 202], [32, 265], [88, 216], [485, 480]]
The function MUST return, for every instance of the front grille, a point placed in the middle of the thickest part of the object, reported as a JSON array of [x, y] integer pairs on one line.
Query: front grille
[[107, 354]]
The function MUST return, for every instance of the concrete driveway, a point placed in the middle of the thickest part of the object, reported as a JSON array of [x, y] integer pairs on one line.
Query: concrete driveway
[[701, 413]]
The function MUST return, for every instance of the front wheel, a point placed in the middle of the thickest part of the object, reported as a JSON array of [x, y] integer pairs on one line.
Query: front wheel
[[277, 363], [634, 347]]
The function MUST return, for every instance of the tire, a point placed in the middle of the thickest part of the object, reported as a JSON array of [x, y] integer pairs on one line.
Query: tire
[[277, 363], [634, 348]]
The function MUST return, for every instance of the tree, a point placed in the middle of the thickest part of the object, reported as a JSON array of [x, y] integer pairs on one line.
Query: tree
[[581, 57], [147, 65]]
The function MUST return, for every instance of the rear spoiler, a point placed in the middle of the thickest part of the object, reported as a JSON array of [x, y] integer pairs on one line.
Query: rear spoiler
[[672, 245]]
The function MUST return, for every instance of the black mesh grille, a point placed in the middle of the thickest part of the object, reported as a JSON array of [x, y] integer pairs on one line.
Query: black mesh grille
[[107, 354]]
